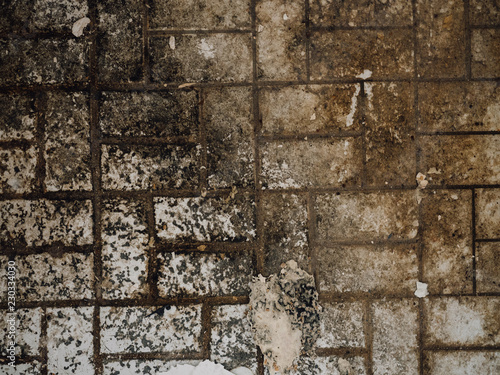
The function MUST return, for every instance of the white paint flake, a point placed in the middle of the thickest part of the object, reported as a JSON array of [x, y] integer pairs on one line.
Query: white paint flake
[[365, 75], [354, 105], [206, 49], [79, 25], [171, 42], [421, 180], [345, 367], [421, 291], [205, 368]]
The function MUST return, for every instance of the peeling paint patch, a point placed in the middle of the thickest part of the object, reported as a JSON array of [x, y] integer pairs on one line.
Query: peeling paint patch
[[284, 315]]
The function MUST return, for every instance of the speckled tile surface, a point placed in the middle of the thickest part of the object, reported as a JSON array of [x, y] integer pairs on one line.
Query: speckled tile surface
[[156, 155]]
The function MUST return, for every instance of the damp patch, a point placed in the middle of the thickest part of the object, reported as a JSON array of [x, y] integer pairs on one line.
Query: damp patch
[[285, 316]]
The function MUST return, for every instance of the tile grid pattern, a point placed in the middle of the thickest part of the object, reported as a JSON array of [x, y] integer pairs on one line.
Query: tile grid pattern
[[318, 240]]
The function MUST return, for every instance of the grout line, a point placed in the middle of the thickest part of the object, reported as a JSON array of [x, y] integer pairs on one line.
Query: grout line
[[311, 228], [260, 362], [158, 33], [342, 352], [361, 117], [95, 150], [368, 328], [486, 239], [169, 86], [152, 268], [233, 299], [308, 39], [203, 183], [150, 141], [326, 29], [40, 168], [185, 193], [146, 73], [474, 263], [420, 248], [44, 342], [206, 334], [490, 26], [310, 136], [259, 256], [468, 41]]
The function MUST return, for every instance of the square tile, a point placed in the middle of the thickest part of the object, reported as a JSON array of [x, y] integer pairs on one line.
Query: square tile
[[232, 343], [462, 321], [440, 38], [69, 340], [348, 53], [485, 53], [390, 134], [140, 167], [488, 213], [462, 159], [124, 249], [205, 219], [18, 170], [27, 334], [306, 163], [285, 231], [374, 269], [200, 14], [17, 117], [149, 114], [366, 216], [395, 346], [67, 142], [281, 48], [43, 277], [43, 61], [459, 106], [447, 241], [341, 325], [197, 274], [201, 58], [176, 330], [313, 109], [361, 13], [120, 40], [227, 113], [488, 267], [45, 222]]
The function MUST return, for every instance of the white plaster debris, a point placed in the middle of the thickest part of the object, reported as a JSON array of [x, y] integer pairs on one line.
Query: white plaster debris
[[421, 180], [205, 368], [79, 25], [171, 42], [421, 291], [345, 367], [365, 75], [434, 171], [354, 104], [279, 329], [313, 117], [260, 28], [285, 17], [206, 49]]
